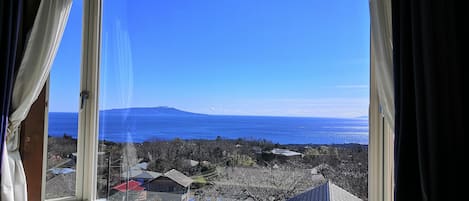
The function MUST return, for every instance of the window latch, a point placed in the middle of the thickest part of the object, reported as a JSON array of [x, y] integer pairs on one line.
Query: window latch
[[84, 95]]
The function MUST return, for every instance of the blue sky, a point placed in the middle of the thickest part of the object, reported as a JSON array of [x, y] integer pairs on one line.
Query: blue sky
[[242, 57]]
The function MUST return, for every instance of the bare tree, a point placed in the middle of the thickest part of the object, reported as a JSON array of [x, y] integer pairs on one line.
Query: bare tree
[[266, 184]]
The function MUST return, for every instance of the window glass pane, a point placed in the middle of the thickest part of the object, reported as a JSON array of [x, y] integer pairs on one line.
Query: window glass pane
[[63, 109], [233, 100]]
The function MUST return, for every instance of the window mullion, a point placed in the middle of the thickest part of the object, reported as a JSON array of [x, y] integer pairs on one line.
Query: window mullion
[[88, 113]]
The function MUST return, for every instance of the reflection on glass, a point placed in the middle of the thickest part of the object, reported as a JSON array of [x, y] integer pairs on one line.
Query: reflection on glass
[[63, 110], [215, 100]]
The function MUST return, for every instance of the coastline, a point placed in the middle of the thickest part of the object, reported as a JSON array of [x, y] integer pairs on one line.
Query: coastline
[[139, 126]]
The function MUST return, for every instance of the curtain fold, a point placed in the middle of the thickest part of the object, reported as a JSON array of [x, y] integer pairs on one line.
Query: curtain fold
[[10, 15], [33, 72], [381, 113], [381, 40], [430, 39]]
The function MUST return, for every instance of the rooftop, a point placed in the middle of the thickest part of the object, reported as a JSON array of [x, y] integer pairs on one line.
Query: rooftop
[[326, 192], [178, 177], [131, 186], [285, 152], [140, 174]]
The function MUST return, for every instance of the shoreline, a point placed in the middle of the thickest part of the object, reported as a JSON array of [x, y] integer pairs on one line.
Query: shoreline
[[223, 138]]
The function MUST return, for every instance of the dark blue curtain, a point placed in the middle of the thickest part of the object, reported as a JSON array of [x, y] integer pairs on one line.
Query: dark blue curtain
[[10, 16], [430, 41]]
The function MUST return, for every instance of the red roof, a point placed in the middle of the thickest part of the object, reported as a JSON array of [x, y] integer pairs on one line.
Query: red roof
[[132, 185]]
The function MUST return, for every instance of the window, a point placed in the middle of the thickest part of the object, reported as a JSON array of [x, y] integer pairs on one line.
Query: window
[[173, 115], [223, 94], [63, 108]]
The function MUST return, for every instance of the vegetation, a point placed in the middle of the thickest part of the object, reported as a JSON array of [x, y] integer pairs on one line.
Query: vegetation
[[233, 168]]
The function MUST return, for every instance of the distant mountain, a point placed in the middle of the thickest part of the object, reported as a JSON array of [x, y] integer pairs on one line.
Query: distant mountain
[[362, 117], [150, 111]]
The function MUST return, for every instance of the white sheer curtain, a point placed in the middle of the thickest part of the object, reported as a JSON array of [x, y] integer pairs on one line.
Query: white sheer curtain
[[381, 138], [381, 42], [41, 48]]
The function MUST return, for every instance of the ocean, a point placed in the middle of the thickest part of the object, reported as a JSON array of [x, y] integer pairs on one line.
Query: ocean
[[131, 127]]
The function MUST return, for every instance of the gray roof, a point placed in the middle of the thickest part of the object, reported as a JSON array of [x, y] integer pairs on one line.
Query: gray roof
[[140, 174], [141, 166], [178, 177], [326, 192], [285, 152]]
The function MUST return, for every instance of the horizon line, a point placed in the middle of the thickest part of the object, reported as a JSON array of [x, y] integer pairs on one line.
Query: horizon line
[[247, 115]]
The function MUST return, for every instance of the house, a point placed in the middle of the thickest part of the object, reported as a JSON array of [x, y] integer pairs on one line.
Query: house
[[170, 186], [128, 186], [191, 163], [285, 152], [277, 153], [326, 192], [139, 175], [142, 166], [130, 190]]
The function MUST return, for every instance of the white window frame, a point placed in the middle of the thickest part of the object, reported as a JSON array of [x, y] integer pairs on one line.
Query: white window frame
[[87, 146], [88, 116], [380, 147]]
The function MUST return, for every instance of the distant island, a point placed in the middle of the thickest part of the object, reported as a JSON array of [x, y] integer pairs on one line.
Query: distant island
[[171, 111], [156, 111]]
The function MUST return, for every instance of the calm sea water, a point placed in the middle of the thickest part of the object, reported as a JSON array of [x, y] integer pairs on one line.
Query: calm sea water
[[283, 130]]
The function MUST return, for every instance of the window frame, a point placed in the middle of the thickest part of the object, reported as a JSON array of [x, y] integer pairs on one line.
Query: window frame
[[87, 139], [380, 146], [88, 116]]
